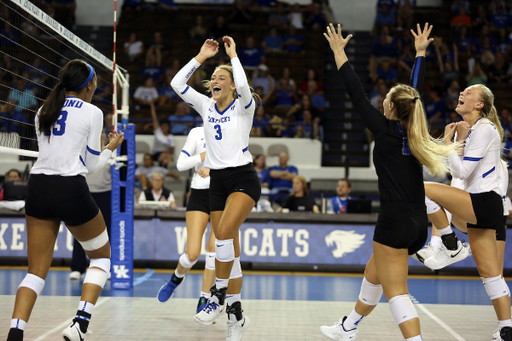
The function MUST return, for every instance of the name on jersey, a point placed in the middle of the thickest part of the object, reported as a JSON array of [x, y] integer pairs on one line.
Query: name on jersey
[[218, 120], [73, 103]]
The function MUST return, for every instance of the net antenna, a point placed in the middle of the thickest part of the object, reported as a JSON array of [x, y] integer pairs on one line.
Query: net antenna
[[30, 34]]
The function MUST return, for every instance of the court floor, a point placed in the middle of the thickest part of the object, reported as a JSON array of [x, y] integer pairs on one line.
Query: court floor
[[281, 306]]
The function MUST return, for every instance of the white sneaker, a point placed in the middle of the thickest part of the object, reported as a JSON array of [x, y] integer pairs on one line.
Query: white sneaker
[[210, 312], [73, 333], [444, 257], [75, 275], [338, 332], [424, 253], [496, 335], [235, 329]]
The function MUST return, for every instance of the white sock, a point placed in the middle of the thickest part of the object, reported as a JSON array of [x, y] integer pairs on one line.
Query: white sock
[[18, 324], [352, 320], [206, 295], [445, 231], [221, 283], [416, 338], [177, 274], [501, 324], [436, 242], [86, 306]]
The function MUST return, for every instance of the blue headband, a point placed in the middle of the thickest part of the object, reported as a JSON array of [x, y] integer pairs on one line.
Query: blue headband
[[91, 74]]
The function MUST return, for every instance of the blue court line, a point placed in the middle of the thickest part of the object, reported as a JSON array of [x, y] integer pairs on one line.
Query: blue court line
[[144, 278]]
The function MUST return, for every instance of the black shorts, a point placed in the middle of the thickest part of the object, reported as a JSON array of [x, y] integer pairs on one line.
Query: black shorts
[[63, 197], [223, 182], [199, 200], [402, 226], [488, 208], [501, 230]]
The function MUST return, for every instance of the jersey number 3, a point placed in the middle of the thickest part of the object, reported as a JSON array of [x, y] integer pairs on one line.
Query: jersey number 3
[[219, 132], [60, 125]]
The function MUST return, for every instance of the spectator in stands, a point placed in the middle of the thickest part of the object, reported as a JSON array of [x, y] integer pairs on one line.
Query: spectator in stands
[[24, 97], [198, 32], [316, 19], [463, 43], [458, 4], [181, 121], [282, 175], [461, 19], [167, 97], [152, 69], [317, 98], [145, 94], [449, 71], [143, 173], [103, 94], [8, 36], [292, 42], [272, 42], [284, 96], [477, 76], [300, 200], [251, 56], [500, 19], [133, 47], [37, 72], [385, 18], [380, 94], [286, 76], [339, 202], [305, 104], [8, 67], [498, 71], [261, 77], [452, 94], [406, 60], [310, 76], [506, 123], [167, 5], [220, 29], [285, 129], [384, 48], [12, 175], [435, 109], [307, 127], [12, 118], [158, 49], [388, 73], [278, 18], [263, 172], [239, 15], [157, 191], [481, 19], [404, 18], [264, 5], [295, 17], [163, 144], [487, 52], [504, 42], [175, 67], [262, 122], [132, 5]]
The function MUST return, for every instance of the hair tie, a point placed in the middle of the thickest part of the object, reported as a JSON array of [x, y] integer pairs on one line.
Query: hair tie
[[91, 74], [414, 99]]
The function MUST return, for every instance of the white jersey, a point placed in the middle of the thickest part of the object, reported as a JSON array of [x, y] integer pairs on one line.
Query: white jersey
[[74, 144], [226, 132], [480, 167], [190, 157]]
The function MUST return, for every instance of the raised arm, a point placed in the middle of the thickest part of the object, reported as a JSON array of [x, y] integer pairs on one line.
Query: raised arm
[[152, 109], [421, 42]]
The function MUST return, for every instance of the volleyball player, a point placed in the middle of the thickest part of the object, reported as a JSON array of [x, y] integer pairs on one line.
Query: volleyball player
[[481, 203], [197, 216], [234, 183], [402, 145], [69, 136]]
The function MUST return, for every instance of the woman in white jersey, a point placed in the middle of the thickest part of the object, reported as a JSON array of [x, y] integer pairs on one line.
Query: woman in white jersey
[[69, 135], [234, 184], [198, 213], [481, 203]]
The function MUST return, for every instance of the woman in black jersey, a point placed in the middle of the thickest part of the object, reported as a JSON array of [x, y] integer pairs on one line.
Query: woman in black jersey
[[402, 145]]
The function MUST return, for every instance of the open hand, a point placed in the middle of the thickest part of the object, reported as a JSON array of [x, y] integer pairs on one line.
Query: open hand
[[230, 46], [115, 138], [335, 39], [209, 48], [421, 39]]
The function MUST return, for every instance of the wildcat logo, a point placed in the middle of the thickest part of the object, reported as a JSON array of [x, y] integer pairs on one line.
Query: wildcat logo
[[345, 242], [121, 271]]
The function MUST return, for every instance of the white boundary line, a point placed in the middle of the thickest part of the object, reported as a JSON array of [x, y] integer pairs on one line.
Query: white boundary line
[[66, 323]]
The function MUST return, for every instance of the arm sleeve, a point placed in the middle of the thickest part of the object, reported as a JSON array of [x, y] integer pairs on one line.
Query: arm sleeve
[[418, 74], [463, 167], [94, 159], [372, 118], [188, 94], [242, 87], [187, 159]]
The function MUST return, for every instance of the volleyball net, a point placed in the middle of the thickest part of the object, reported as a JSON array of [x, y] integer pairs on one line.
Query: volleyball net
[[33, 49]]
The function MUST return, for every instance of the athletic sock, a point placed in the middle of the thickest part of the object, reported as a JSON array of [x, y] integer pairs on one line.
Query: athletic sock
[[231, 299], [436, 242], [18, 324], [352, 320], [206, 295], [445, 231], [83, 315], [504, 323], [416, 338], [177, 274], [221, 283]]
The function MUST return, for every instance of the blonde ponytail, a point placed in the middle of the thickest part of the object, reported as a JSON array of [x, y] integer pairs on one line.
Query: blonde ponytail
[[489, 110]]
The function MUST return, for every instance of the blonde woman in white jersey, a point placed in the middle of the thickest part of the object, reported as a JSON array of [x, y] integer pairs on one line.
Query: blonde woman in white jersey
[[198, 213], [234, 183], [69, 132], [481, 203]]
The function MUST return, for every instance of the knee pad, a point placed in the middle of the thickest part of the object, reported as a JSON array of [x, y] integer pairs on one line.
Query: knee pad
[[402, 309], [236, 270], [185, 262], [96, 243], [224, 250], [96, 276], [495, 287], [432, 206], [33, 282], [370, 294], [210, 261]]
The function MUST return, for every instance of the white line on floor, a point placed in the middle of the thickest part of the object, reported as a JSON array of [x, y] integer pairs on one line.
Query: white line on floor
[[66, 323]]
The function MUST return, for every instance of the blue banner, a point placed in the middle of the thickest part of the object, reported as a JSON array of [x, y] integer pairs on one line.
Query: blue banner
[[122, 216]]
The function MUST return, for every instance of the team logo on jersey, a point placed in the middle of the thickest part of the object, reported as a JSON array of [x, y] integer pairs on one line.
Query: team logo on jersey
[[345, 242]]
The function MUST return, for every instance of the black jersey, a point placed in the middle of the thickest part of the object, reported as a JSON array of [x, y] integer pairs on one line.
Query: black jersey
[[400, 175]]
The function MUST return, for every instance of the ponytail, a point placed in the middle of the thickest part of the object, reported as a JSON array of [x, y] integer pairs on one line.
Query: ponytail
[[51, 109], [489, 110]]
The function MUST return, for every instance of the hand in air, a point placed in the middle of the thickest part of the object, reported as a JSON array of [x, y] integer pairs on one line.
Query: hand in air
[[335, 39], [421, 39], [230, 46], [209, 48]]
